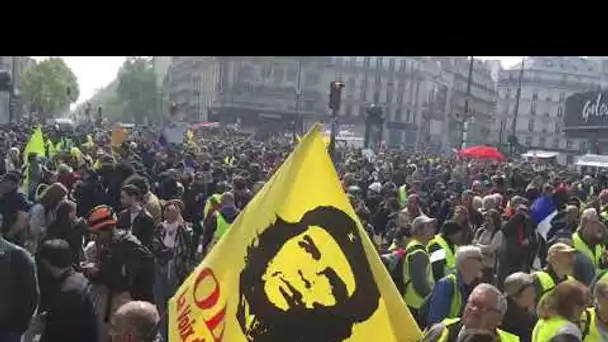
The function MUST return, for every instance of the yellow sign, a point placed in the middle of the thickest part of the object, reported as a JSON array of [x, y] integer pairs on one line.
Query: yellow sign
[[296, 265], [118, 136]]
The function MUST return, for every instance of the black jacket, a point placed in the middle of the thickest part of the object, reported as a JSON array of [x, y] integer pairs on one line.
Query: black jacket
[[519, 321], [142, 227], [127, 266], [71, 313]]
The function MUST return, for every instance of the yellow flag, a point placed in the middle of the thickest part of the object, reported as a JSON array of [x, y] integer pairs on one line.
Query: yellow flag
[[296, 265], [35, 145]]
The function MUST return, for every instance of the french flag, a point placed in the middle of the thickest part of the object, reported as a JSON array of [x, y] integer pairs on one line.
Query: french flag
[[542, 211]]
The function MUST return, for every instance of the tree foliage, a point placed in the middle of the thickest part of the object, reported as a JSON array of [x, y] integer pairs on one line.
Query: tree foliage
[[137, 91], [44, 87]]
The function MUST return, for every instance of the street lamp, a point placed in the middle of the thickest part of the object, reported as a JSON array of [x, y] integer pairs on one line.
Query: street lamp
[[374, 126]]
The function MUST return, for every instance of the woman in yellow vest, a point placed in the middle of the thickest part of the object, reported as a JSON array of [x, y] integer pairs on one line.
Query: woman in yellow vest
[[594, 321], [560, 260], [417, 276], [562, 312], [484, 311]]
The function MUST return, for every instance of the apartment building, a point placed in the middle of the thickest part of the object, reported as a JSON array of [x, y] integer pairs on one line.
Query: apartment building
[[546, 83]]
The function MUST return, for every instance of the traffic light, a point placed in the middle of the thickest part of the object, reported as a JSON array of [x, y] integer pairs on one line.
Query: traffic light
[[6, 82], [335, 95]]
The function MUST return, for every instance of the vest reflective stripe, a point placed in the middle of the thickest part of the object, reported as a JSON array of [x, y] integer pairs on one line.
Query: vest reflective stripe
[[456, 303], [446, 251], [546, 283], [403, 195], [448, 323], [229, 160], [411, 297], [583, 248], [221, 227], [546, 329], [591, 332]]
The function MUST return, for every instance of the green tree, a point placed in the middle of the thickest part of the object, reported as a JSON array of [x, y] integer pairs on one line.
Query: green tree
[[137, 91], [44, 87]]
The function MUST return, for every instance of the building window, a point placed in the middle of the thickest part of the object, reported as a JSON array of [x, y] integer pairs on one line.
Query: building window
[[366, 62], [266, 70], [403, 65], [560, 111], [378, 79], [507, 109], [376, 96], [312, 79], [372, 62], [531, 125], [245, 73], [555, 142], [528, 141], [569, 144], [562, 96], [508, 93], [558, 128], [292, 75], [352, 61], [389, 96], [535, 95], [542, 141], [379, 62], [391, 65], [398, 115], [278, 75], [399, 96], [533, 108]]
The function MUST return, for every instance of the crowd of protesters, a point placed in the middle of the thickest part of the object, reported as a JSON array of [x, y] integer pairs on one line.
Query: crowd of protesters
[[482, 251]]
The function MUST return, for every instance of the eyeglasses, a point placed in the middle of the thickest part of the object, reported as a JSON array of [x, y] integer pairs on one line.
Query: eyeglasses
[[481, 307]]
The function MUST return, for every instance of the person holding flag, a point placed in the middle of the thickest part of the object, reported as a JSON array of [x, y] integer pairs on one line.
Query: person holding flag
[[295, 264]]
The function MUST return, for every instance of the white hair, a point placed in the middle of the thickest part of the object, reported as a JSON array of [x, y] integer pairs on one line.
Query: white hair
[[501, 300], [589, 214], [466, 252], [489, 202]]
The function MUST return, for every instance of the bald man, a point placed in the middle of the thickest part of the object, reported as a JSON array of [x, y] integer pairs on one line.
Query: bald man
[[135, 321]]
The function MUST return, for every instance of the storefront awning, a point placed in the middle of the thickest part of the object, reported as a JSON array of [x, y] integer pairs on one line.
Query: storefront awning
[[540, 154], [593, 160]]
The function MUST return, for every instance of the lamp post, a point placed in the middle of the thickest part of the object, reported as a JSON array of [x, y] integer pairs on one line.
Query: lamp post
[[335, 99], [465, 119]]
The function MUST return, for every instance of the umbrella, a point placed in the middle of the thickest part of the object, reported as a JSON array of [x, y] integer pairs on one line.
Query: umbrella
[[481, 152]]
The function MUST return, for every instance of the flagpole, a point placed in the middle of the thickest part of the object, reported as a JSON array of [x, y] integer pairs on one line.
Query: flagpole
[[517, 99]]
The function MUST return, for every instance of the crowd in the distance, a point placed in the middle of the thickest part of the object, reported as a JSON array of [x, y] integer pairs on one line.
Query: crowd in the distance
[[92, 235]]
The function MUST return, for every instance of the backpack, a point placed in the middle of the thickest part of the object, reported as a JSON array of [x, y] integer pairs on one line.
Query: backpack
[[393, 262]]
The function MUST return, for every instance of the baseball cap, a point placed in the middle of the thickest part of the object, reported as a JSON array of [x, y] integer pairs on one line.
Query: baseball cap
[[517, 282], [101, 217], [559, 248], [420, 220]]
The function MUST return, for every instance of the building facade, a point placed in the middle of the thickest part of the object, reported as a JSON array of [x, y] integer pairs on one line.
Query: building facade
[[546, 83], [475, 126]]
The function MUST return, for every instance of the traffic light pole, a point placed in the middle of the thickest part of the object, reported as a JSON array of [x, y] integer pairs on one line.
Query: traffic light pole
[[334, 131], [465, 119], [517, 99], [12, 99], [335, 98]]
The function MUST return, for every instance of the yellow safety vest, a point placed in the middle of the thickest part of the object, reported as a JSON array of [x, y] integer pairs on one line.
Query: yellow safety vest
[[229, 160], [450, 323], [588, 326], [221, 227], [411, 297], [580, 245], [445, 251], [403, 195], [546, 283], [546, 329], [215, 197]]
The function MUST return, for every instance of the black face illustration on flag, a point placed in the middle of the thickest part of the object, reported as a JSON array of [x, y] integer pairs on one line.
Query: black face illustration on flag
[[306, 281]]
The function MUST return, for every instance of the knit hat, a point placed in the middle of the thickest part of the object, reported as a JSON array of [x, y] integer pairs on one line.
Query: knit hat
[[101, 217]]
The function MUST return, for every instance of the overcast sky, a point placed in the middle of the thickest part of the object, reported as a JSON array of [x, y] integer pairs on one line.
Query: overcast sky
[[96, 72]]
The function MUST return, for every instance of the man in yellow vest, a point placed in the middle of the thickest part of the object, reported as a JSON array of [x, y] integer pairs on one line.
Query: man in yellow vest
[[417, 276], [484, 311], [594, 321], [442, 249], [452, 291], [403, 195], [587, 241], [560, 259], [220, 221]]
